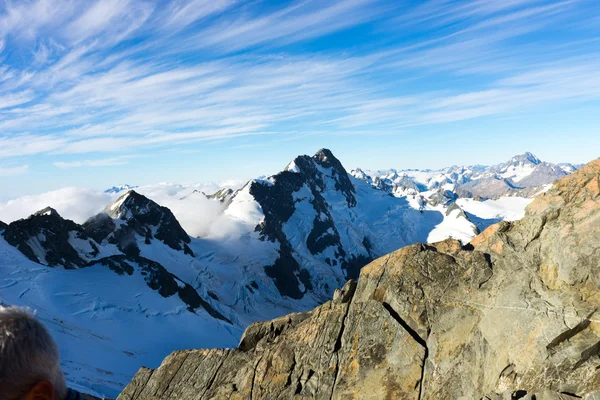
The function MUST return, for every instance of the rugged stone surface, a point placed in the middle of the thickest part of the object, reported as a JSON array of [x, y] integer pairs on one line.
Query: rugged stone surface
[[276, 198], [141, 216], [515, 314], [159, 279], [46, 238], [224, 195], [442, 196]]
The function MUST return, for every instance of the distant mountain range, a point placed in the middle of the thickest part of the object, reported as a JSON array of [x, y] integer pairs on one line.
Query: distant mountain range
[[524, 175], [286, 243]]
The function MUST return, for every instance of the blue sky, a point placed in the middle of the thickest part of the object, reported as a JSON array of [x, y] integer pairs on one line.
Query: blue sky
[[129, 91]]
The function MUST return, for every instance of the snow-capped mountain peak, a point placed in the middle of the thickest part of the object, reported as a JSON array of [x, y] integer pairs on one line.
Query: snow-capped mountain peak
[[47, 238], [49, 211], [525, 158], [523, 175], [129, 204], [139, 216], [360, 174], [223, 195]]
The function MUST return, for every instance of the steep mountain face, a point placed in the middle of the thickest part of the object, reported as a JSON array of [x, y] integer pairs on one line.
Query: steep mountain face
[[326, 225], [487, 187], [224, 195], [48, 239], [110, 240], [513, 314], [280, 244], [278, 199], [138, 215]]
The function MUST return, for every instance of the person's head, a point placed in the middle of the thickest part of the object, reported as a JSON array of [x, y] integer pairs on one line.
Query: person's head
[[29, 358]]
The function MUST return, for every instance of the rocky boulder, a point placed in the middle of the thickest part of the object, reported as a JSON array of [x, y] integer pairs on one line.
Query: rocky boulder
[[515, 314]]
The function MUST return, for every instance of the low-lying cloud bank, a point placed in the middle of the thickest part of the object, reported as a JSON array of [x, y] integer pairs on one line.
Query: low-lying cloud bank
[[198, 215], [73, 203]]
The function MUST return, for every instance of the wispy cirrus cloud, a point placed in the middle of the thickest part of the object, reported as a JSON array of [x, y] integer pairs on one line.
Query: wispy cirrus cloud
[[12, 171], [123, 75], [104, 162]]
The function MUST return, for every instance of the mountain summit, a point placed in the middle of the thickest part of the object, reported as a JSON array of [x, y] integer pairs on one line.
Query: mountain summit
[[524, 175], [324, 224], [512, 315], [525, 158], [140, 216]]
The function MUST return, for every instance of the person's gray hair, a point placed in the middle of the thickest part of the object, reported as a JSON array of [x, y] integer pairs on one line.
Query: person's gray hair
[[28, 355]]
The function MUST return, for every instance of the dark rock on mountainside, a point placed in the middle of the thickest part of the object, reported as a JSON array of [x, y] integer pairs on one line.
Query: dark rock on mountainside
[[159, 279], [142, 217], [442, 196], [278, 205], [99, 227], [223, 195], [3, 225], [487, 188], [326, 159], [47, 238], [514, 314], [397, 183], [455, 207], [543, 174]]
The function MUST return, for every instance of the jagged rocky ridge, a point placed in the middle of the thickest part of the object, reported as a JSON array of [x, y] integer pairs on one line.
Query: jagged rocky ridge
[[512, 315], [303, 232], [223, 195], [278, 203], [109, 239], [298, 235]]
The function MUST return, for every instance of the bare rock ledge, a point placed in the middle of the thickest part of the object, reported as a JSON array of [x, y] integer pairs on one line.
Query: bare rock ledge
[[515, 314]]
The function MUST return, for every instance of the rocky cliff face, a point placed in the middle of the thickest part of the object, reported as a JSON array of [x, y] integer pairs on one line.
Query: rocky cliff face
[[46, 238], [110, 239], [138, 215], [514, 314]]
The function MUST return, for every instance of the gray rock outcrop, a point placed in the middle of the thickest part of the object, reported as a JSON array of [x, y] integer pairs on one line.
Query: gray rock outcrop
[[515, 314]]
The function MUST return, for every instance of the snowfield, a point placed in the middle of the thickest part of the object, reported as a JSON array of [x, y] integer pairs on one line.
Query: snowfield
[[106, 328], [273, 246]]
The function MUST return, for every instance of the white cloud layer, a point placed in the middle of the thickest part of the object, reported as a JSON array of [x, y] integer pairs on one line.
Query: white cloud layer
[[198, 215], [71, 203], [106, 162], [12, 171]]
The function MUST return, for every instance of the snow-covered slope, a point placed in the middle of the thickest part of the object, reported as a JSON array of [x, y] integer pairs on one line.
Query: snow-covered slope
[[131, 284], [106, 325]]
